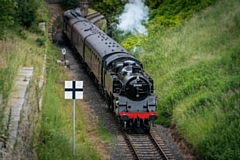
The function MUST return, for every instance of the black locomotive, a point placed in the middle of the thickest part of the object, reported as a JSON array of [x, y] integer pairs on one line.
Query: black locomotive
[[120, 77]]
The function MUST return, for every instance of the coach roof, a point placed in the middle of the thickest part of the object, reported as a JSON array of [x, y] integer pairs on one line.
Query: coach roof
[[104, 45]]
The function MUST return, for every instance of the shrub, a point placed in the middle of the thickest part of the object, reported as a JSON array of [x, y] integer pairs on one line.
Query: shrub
[[41, 41], [26, 12], [21, 33], [110, 9], [7, 9], [172, 12], [8, 12]]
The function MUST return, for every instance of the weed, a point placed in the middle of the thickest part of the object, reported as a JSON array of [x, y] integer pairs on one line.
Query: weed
[[41, 41]]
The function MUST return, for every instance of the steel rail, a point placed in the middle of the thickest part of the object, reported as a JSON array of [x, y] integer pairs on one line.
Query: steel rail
[[158, 146], [128, 141]]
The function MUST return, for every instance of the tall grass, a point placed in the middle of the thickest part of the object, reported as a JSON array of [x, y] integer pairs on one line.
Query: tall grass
[[16, 52], [8, 71], [55, 140], [9, 67], [195, 66]]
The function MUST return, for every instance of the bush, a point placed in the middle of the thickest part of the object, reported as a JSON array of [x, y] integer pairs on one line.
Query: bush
[[41, 41], [26, 12], [110, 9], [172, 12], [7, 9]]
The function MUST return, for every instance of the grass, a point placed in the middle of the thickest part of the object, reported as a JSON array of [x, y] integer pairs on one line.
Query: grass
[[55, 140], [52, 135], [16, 52], [195, 66]]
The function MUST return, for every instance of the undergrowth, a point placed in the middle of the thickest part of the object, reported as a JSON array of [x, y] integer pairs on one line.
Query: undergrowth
[[167, 15]]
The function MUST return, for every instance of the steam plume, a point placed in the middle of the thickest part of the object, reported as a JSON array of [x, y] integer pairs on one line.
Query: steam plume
[[134, 15]]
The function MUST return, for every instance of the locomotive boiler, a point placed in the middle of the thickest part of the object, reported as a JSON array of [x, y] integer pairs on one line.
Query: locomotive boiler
[[127, 89]]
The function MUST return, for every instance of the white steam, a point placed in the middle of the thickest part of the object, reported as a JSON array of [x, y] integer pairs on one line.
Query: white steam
[[134, 15]]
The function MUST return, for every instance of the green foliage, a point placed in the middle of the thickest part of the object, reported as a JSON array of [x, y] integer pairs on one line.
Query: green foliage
[[7, 75], [26, 12], [132, 43], [8, 67], [54, 143], [153, 4], [109, 8], [42, 13], [41, 17], [8, 11], [37, 30], [22, 33], [69, 4], [103, 132], [41, 41], [56, 131], [20, 12], [166, 14], [171, 12], [195, 67], [224, 140], [170, 8], [52, 139]]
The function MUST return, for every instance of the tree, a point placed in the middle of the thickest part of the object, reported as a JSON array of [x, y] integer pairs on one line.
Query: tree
[[109, 8], [7, 10], [26, 12]]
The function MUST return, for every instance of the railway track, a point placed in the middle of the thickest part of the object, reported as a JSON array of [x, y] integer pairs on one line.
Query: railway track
[[144, 146], [135, 144]]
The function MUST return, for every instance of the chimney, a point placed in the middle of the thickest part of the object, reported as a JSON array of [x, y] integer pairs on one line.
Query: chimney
[[84, 7]]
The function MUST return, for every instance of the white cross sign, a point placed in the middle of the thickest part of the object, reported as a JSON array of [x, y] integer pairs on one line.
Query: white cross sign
[[73, 89]]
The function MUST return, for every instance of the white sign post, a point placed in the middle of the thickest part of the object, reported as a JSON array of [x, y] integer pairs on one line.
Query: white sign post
[[63, 53], [73, 90]]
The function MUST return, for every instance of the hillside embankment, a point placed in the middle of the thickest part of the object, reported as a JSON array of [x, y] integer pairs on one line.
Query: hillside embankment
[[22, 71], [195, 67], [20, 111]]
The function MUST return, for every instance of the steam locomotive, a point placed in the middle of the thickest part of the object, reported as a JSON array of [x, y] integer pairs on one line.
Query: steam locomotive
[[126, 88]]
